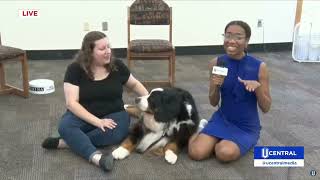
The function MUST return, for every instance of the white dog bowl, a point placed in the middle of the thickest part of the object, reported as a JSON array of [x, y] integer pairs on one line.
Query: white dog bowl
[[41, 86]]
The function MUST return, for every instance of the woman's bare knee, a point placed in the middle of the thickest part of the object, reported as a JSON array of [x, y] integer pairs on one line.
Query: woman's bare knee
[[227, 152], [201, 147], [197, 153], [225, 156]]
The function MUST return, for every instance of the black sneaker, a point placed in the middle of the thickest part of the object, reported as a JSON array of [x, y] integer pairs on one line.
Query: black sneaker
[[50, 143], [106, 162]]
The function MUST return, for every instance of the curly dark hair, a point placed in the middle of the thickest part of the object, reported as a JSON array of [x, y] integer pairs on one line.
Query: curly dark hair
[[242, 24], [85, 55]]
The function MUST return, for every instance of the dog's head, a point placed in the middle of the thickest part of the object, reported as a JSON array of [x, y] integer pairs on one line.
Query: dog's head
[[164, 104]]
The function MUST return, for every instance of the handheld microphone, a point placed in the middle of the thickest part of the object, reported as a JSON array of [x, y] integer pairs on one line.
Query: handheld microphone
[[220, 68]]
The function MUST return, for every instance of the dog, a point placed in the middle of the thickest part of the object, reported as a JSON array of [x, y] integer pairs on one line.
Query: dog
[[169, 117]]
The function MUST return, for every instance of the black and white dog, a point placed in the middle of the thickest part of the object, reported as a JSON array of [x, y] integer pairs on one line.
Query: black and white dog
[[169, 118]]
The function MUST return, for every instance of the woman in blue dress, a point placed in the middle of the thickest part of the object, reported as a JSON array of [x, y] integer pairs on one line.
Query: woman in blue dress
[[235, 127]]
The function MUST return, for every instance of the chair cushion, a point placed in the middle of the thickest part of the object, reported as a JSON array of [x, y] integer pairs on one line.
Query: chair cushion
[[7, 52], [150, 45]]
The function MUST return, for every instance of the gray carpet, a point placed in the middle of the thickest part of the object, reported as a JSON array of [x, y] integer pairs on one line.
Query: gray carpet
[[293, 120]]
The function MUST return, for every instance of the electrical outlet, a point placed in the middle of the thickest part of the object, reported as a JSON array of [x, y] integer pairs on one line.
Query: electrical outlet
[[260, 23], [86, 26], [105, 26]]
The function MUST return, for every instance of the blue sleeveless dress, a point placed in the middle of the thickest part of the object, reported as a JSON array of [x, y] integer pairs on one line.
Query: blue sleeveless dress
[[237, 119]]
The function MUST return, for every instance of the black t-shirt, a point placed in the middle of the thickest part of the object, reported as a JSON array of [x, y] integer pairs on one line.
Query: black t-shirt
[[100, 97]]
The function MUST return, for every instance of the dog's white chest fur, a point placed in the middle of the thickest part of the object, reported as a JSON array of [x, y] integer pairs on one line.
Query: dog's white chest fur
[[152, 138], [155, 134]]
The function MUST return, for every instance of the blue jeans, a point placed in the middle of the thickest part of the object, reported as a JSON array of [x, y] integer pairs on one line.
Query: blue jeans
[[84, 138]]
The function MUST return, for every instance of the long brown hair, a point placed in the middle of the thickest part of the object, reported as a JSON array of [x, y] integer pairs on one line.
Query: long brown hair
[[85, 55]]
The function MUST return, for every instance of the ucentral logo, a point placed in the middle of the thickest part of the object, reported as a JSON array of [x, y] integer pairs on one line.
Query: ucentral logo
[[279, 156], [265, 152]]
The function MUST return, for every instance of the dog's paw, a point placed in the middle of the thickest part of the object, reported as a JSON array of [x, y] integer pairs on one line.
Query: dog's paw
[[170, 156], [126, 106], [120, 153]]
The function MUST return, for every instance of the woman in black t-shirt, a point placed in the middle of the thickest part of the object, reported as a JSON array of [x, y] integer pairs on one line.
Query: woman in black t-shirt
[[93, 87]]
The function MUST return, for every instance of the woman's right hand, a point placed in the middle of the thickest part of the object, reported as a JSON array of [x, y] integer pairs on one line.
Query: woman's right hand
[[217, 79], [108, 123]]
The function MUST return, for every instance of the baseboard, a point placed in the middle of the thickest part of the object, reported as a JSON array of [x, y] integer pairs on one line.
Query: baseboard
[[180, 50]]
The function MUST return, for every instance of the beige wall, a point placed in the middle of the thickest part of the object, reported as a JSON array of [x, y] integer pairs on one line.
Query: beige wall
[[196, 23]]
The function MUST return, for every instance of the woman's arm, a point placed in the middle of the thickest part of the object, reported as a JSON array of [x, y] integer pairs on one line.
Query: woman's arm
[[263, 91], [71, 93], [136, 86], [215, 81]]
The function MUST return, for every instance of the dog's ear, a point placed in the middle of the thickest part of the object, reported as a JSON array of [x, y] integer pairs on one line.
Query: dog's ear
[[169, 108]]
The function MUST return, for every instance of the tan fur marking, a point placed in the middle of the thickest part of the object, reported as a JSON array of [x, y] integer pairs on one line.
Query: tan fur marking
[[134, 111], [158, 151], [172, 146], [128, 144]]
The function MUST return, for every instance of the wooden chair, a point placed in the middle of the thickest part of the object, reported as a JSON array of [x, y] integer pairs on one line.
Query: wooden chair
[[151, 12], [13, 54]]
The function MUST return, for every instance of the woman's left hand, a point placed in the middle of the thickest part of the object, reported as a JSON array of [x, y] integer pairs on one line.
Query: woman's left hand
[[250, 85]]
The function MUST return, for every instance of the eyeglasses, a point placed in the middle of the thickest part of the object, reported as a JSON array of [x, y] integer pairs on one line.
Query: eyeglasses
[[236, 37]]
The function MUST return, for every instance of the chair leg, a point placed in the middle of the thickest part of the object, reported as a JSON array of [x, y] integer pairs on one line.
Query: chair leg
[[25, 75], [172, 69], [2, 77], [4, 87], [24, 92], [129, 60], [9, 89]]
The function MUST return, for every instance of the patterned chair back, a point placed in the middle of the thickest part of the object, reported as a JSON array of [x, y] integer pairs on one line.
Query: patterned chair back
[[149, 12]]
